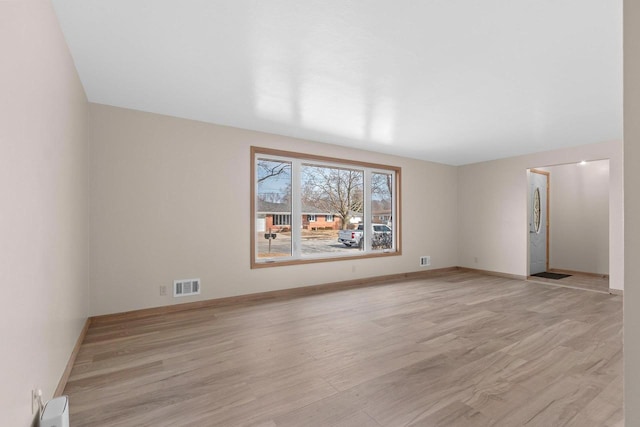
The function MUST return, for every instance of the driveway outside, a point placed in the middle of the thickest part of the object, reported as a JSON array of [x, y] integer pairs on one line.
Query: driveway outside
[[313, 242]]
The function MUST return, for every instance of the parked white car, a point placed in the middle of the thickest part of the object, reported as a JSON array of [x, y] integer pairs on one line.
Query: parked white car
[[381, 236]]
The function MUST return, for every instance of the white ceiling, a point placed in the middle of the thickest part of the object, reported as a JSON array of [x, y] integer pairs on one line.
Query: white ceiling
[[451, 81]]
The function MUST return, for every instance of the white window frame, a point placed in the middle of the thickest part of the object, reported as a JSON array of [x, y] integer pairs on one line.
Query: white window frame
[[299, 159]]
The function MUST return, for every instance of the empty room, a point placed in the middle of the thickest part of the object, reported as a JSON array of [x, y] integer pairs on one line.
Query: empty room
[[279, 213]]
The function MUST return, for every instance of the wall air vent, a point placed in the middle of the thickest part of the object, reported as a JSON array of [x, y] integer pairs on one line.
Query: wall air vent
[[425, 261], [185, 287]]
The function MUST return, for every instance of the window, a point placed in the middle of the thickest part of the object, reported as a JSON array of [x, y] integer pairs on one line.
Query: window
[[381, 209], [362, 199], [273, 208], [279, 219]]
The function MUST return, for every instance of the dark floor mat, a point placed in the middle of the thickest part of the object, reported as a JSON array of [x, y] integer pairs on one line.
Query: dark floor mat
[[554, 276]]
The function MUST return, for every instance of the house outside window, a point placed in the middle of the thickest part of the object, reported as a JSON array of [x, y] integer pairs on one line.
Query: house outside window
[[287, 186], [281, 219]]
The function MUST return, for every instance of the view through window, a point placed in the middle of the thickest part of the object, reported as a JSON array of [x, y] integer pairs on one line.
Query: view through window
[[309, 208]]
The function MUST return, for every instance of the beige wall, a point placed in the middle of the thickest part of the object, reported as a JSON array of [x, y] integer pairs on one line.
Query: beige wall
[[169, 199], [632, 211], [43, 208], [161, 187], [493, 231], [579, 217]]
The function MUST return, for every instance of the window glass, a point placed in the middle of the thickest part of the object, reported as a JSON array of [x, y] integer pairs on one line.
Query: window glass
[[310, 208], [382, 210], [273, 208], [330, 191]]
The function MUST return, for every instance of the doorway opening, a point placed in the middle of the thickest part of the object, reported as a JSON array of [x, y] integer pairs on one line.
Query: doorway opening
[[568, 225], [538, 221]]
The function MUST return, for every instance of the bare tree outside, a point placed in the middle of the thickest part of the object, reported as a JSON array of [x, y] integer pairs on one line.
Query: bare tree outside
[[381, 185], [334, 190], [269, 169], [273, 207], [306, 208], [381, 209], [274, 181]]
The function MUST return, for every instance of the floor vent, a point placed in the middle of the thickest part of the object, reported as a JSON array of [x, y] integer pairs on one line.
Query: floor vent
[[425, 261], [182, 288]]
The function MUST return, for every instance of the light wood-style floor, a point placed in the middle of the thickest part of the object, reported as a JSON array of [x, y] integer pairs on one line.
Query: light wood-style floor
[[461, 349], [590, 282]]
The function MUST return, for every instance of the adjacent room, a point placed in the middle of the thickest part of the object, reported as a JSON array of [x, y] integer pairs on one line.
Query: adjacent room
[[569, 225], [241, 213]]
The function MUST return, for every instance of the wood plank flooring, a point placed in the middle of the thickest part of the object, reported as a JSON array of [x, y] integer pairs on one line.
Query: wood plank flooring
[[589, 282], [460, 349]]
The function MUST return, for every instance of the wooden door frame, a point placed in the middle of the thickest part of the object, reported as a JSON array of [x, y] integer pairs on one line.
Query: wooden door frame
[[548, 174]]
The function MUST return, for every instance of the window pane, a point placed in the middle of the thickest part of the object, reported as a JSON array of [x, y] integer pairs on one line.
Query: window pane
[[311, 208], [332, 200], [382, 210], [273, 208]]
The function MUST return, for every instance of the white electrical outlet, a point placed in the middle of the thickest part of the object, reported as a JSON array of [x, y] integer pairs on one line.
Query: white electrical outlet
[[163, 290], [425, 261]]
